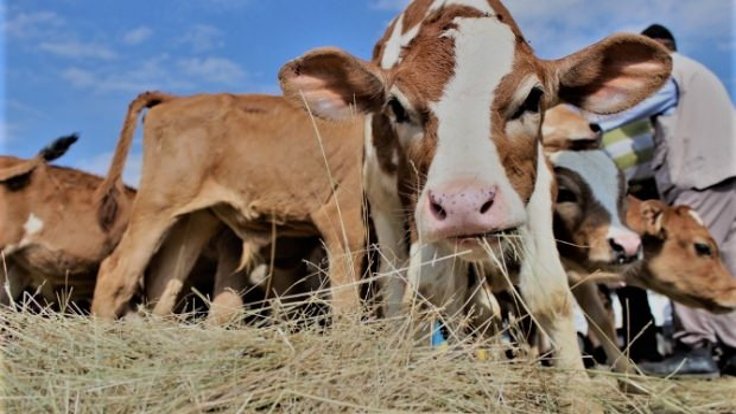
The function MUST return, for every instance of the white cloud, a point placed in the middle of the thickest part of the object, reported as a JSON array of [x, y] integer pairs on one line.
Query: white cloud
[[559, 27], [202, 38], [396, 5], [160, 72], [8, 130], [79, 77], [78, 50], [137, 36], [213, 69], [26, 25], [100, 163], [15, 116], [152, 73]]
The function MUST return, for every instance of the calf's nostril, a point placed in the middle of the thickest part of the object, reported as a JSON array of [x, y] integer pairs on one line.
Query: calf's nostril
[[595, 128], [486, 206], [615, 246], [436, 208], [438, 211]]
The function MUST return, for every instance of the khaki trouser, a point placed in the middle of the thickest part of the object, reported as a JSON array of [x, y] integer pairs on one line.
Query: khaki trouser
[[717, 207]]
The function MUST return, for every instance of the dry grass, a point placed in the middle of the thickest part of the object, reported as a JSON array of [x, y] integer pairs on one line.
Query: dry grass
[[57, 363]]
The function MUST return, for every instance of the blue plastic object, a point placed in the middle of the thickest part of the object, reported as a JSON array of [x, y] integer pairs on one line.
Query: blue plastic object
[[438, 338]]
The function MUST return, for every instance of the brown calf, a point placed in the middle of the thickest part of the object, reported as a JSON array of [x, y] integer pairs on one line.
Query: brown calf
[[252, 162], [682, 261], [565, 128], [49, 236]]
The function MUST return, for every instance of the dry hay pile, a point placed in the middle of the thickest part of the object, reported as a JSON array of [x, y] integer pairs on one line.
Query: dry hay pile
[[60, 364]]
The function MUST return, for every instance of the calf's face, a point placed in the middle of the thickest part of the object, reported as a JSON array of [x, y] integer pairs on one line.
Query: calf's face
[[466, 104], [16, 219], [565, 128], [682, 259], [589, 211]]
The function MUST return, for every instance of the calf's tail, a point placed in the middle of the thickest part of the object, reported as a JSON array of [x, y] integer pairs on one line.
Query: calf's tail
[[112, 187]]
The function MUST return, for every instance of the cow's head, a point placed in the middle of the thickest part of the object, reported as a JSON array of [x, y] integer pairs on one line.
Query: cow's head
[[682, 259], [565, 128], [590, 211], [466, 104], [16, 175]]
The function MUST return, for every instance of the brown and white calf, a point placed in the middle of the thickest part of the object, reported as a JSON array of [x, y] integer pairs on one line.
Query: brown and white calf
[[590, 212], [255, 163], [592, 234], [49, 235], [457, 120]]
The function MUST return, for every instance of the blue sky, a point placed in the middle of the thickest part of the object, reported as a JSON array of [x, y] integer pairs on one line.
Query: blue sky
[[74, 65]]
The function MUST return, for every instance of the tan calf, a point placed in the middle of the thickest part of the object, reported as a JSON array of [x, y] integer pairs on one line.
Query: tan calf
[[565, 128], [682, 261], [49, 235], [251, 162]]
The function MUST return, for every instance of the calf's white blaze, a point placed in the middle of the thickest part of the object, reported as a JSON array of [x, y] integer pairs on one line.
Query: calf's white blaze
[[481, 5], [33, 225], [401, 36], [397, 41], [484, 54]]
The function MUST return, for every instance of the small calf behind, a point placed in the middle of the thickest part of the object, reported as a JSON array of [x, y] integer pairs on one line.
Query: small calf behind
[[49, 236], [255, 163], [682, 260]]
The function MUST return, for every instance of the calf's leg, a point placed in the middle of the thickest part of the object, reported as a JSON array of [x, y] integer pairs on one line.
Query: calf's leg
[[544, 286], [121, 273], [438, 278], [230, 280], [342, 229], [176, 258], [586, 293]]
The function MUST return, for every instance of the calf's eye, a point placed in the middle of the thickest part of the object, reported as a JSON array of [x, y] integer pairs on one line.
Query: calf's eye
[[566, 196], [703, 249], [398, 110], [531, 103]]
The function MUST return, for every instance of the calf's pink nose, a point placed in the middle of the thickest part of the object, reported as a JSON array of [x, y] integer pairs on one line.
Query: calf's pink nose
[[462, 210]]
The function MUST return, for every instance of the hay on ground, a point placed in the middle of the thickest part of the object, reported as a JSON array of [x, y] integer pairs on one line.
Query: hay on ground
[[59, 364]]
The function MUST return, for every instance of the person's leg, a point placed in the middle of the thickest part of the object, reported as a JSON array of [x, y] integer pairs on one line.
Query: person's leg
[[725, 325]]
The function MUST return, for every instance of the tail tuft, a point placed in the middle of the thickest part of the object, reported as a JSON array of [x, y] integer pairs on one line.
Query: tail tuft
[[58, 148]]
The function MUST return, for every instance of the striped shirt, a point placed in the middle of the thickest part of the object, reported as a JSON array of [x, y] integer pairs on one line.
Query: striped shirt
[[632, 148], [630, 135]]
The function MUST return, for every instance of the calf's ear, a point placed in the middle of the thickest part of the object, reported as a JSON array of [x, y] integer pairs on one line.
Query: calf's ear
[[333, 84], [612, 75], [645, 217], [18, 176], [652, 213]]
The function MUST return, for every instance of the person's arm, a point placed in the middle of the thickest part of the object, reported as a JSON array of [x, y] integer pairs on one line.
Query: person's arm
[[662, 101]]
